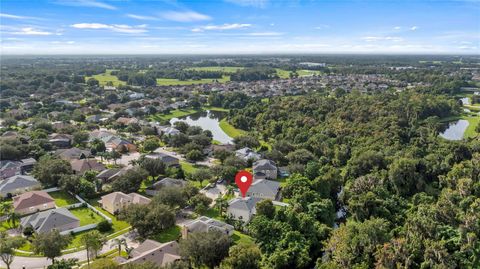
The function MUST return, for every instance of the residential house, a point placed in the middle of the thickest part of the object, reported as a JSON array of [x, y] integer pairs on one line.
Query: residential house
[[242, 208], [33, 201], [118, 144], [10, 168], [18, 184], [247, 154], [160, 254], [116, 201], [264, 189], [94, 118], [170, 131], [111, 174], [83, 165], [60, 140], [206, 224], [264, 169], [165, 182], [126, 121], [27, 165], [42, 222], [165, 158], [72, 154]]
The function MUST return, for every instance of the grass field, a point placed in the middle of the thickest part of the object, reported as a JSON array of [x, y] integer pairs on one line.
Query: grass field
[[106, 77], [225, 69], [473, 123], [173, 114], [240, 238], [190, 167], [230, 130], [282, 73], [86, 216], [173, 82], [168, 235], [62, 198], [304, 73]]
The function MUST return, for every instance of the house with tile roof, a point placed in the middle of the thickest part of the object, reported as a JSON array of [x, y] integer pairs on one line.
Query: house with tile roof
[[83, 165], [33, 201], [117, 201], [18, 184], [60, 219], [73, 154]]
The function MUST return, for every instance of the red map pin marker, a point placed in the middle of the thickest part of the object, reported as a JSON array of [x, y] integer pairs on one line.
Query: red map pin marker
[[243, 179]]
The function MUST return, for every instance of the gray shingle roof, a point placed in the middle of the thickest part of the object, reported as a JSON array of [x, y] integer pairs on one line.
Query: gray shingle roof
[[16, 182], [47, 220]]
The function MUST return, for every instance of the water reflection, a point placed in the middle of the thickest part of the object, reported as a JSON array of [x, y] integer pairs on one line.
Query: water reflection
[[208, 120], [455, 130]]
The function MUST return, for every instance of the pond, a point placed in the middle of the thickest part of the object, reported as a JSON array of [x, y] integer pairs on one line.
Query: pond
[[455, 130], [208, 120]]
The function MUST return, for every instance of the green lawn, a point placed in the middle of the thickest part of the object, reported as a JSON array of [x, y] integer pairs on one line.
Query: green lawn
[[240, 238], [225, 69], [282, 73], [473, 123], [106, 77], [169, 235], [304, 73], [214, 108], [117, 225], [86, 216], [230, 130], [173, 82], [190, 167], [174, 114], [5, 225], [63, 198]]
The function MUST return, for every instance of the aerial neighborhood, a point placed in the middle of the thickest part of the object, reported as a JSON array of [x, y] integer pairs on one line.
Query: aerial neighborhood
[[104, 164]]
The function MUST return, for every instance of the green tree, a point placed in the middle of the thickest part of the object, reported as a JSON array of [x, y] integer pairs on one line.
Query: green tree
[[8, 244], [194, 155], [130, 181], [49, 170], [93, 242], [151, 144], [171, 196], [50, 244], [64, 264], [265, 208], [149, 219], [154, 167], [242, 256], [205, 248]]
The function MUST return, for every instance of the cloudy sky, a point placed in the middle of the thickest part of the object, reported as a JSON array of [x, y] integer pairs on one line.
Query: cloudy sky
[[239, 26]]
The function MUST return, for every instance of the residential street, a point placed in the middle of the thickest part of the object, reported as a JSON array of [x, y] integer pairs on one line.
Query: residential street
[[41, 262]]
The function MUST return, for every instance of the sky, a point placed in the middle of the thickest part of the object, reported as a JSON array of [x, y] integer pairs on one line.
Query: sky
[[239, 26]]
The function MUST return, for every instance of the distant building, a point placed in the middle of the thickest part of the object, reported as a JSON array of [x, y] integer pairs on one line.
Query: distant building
[[247, 154], [165, 182], [160, 254], [265, 169], [72, 154], [18, 184], [60, 141], [206, 224], [33, 201], [111, 174], [165, 158], [83, 165], [42, 222], [117, 201]]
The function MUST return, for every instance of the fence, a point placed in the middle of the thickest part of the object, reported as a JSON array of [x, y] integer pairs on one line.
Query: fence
[[51, 189], [80, 229], [77, 205], [93, 208]]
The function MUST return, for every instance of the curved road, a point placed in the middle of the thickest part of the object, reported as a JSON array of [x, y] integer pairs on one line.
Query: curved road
[[42, 262]]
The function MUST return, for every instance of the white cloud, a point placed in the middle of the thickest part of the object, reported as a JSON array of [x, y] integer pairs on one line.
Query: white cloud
[[31, 31], [63, 42], [265, 34], [413, 28], [382, 38], [251, 3], [185, 16], [120, 28], [15, 17], [226, 26], [85, 3], [141, 17], [397, 28]]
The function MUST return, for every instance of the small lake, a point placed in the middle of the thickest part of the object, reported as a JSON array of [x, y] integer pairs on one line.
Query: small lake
[[455, 130], [208, 120]]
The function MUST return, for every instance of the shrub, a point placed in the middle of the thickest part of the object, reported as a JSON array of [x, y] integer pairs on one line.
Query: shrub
[[104, 226]]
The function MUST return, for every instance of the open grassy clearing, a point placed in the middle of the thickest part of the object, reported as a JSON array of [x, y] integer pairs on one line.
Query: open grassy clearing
[[174, 82], [230, 130], [239, 238], [282, 73], [63, 198], [86, 216], [106, 77], [177, 113], [472, 124], [225, 69], [306, 73]]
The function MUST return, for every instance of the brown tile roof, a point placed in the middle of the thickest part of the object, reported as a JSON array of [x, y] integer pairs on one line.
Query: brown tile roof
[[84, 165], [32, 198]]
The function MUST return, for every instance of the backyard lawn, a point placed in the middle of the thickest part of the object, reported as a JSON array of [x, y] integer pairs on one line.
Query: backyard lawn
[[168, 235], [63, 198], [117, 225], [86, 216], [240, 238]]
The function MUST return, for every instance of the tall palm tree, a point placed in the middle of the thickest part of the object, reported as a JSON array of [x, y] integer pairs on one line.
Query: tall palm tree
[[13, 218], [221, 204], [119, 242], [5, 208]]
